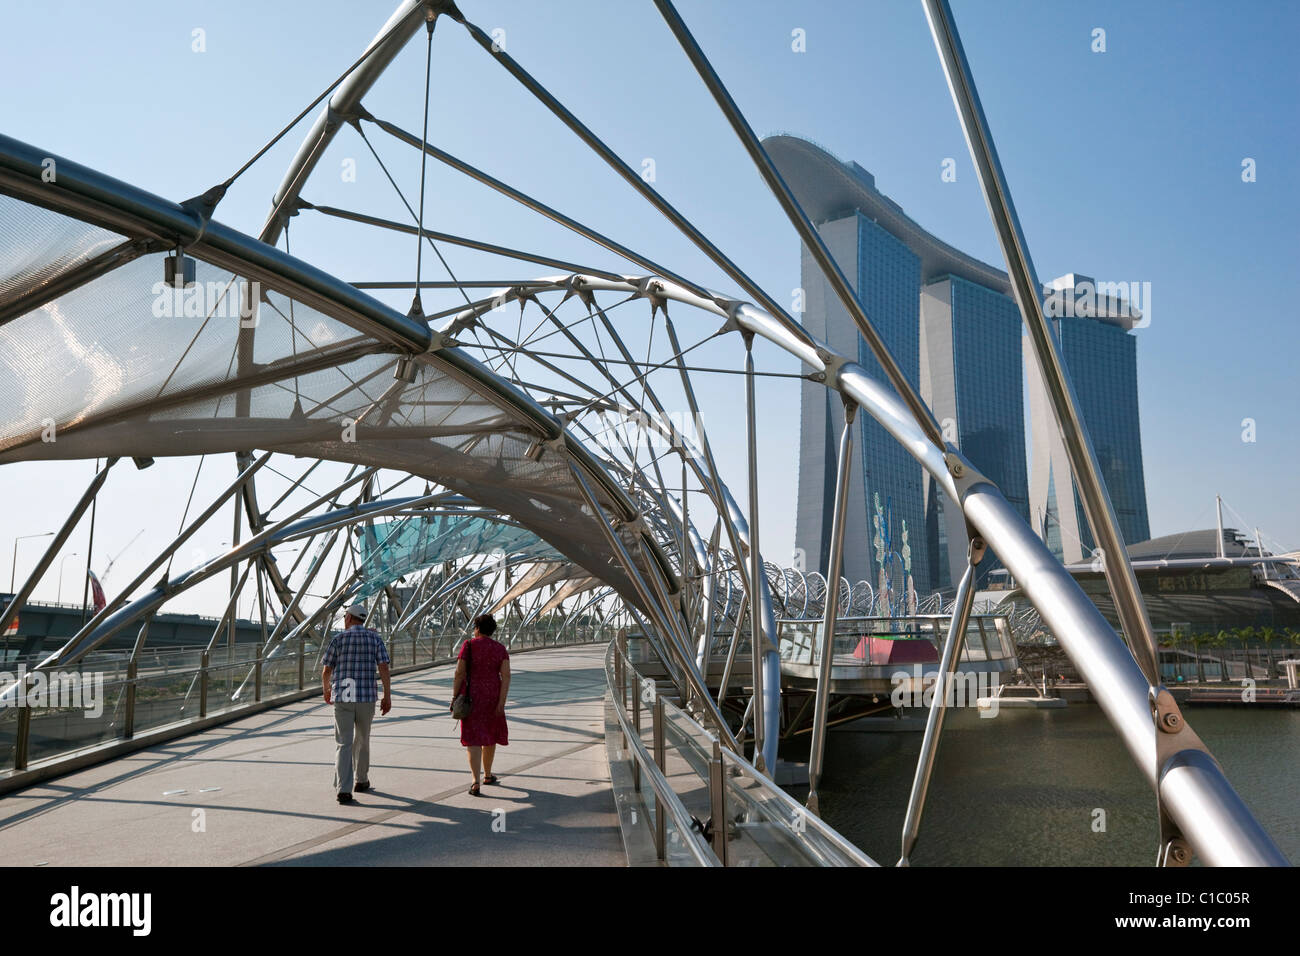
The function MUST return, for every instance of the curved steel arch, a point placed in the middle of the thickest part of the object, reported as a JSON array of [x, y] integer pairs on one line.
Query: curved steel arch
[[92, 197], [1188, 783], [1226, 833]]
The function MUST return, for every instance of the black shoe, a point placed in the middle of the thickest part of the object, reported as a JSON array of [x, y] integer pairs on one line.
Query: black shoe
[[345, 798], [362, 787]]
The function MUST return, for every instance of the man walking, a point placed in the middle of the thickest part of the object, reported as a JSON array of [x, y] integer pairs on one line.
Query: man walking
[[348, 681]]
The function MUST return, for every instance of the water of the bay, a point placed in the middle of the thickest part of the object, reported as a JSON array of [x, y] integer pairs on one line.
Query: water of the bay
[[1025, 788]]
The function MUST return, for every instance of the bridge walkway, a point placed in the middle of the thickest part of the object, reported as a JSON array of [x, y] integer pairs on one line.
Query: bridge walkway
[[258, 791]]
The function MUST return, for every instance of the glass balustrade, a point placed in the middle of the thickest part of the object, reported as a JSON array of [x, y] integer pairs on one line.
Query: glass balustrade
[[172, 687], [716, 808]]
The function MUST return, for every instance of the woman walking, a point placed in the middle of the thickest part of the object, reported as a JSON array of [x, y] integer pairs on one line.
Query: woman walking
[[487, 664]]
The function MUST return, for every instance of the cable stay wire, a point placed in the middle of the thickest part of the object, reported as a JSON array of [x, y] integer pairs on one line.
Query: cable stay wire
[[420, 230], [653, 368], [378, 42], [610, 361]]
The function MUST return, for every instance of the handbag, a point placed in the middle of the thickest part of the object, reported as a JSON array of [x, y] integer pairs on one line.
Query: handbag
[[461, 705]]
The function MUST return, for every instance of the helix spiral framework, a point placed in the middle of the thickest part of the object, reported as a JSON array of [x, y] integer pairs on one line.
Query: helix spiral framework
[[508, 445]]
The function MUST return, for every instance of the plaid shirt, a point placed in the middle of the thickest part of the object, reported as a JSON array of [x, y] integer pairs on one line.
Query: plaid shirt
[[354, 655]]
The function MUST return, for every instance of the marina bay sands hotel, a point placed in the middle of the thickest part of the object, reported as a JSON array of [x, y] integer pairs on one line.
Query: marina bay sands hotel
[[953, 326]]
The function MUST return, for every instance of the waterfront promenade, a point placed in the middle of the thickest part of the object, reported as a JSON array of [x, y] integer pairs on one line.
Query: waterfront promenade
[[258, 791]]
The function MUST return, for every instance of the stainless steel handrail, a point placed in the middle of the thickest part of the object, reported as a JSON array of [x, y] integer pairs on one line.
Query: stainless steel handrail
[[809, 821], [665, 797], [619, 669], [74, 756], [803, 649]]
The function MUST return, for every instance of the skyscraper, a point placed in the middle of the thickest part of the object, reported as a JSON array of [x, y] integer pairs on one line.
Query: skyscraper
[[955, 331], [885, 275], [971, 379], [887, 257], [1093, 327]]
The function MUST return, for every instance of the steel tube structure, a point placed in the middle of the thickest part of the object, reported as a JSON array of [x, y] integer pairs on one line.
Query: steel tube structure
[[811, 238], [464, 241], [631, 255], [741, 611], [640, 524], [952, 647], [738, 531], [631, 176], [1134, 623], [110, 622], [839, 517], [1229, 834], [60, 536], [687, 666], [757, 639], [388, 42]]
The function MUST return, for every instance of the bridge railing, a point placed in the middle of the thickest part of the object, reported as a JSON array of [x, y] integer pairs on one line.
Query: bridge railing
[[108, 706], [988, 637], [696, 802]]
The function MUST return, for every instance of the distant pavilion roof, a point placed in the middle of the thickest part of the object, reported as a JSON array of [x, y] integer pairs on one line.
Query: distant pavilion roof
[[1193, 544]]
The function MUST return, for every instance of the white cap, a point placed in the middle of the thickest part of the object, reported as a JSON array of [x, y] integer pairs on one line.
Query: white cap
[[358, 611]]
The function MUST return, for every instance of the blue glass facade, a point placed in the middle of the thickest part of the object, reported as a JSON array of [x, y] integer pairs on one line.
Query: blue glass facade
[[984, 366], [959, 338], [888, 286], [986, 332], [1101, 359]]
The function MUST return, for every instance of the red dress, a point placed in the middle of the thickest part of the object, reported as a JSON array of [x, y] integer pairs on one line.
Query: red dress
[[484, 727]]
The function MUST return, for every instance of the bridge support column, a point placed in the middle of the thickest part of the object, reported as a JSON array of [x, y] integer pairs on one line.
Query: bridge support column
[[257, 672], [843, 473], [952, 647], [636, 726], [661, 761], [23, 732], [128, 721], [767, 699], [718, 803], [203, 684]]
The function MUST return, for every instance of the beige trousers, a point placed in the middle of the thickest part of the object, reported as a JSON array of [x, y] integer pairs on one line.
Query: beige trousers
[[352, 743]]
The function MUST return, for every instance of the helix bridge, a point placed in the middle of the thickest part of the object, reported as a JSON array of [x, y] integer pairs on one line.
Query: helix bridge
[[531, 435]]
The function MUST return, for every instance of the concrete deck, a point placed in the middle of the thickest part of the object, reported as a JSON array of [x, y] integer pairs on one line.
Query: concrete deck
[[259, 791]]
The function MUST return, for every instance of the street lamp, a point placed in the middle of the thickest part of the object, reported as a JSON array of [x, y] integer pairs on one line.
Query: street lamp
[[14, 569], [61, 564]]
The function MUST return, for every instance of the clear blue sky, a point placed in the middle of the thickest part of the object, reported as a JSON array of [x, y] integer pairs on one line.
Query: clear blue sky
[[1123, 165]]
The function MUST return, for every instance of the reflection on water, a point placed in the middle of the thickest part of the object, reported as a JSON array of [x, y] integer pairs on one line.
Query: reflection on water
[[1021, 789]]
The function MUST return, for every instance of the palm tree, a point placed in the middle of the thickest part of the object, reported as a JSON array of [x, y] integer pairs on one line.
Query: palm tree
[[1197, 639], [1173, 639], [1221, 641], [1268, 636], [1211, 640], [1246, 635]]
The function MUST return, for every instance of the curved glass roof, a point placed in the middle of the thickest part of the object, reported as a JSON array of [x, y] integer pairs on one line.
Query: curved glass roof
[[393, 549], [102, 358]]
